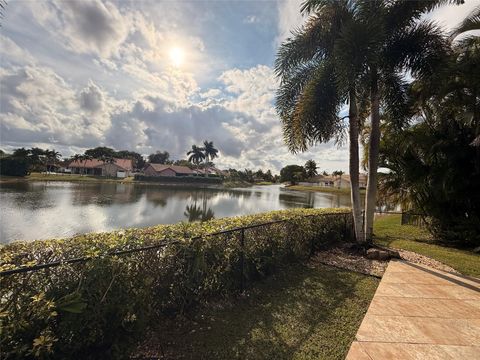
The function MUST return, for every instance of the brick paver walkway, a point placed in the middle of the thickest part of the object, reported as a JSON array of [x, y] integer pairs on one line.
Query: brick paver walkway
[[419, 313]]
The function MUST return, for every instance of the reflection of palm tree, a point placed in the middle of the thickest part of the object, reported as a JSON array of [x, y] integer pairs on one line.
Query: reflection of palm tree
[[196, 213]]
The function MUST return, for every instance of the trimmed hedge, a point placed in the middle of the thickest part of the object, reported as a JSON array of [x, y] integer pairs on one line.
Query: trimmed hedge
[[181, 179], [12, 166], [100, 308]]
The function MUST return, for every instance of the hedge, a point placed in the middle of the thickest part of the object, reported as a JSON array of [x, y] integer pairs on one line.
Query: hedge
[[181, 179], [99, 308]]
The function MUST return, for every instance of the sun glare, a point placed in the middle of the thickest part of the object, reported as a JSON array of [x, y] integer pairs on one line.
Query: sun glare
[[176, 56]]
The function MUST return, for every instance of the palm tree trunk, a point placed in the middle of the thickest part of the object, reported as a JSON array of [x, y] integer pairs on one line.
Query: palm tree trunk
[[354, 168], [373, 152]]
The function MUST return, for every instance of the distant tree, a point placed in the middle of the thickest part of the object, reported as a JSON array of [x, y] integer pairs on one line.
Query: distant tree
[[292, 174], [268, 176], [160, 157], [52, 157], [183, 162], [138, 160], [325, 173], [338, 173], [84, 158], [311, 168], [196, 155], [21, 153], [98, 152], [209, 151]]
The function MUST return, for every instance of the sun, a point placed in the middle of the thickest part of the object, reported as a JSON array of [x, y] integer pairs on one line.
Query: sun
[[176, 56]]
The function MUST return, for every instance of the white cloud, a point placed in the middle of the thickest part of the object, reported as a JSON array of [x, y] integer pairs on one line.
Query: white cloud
[[289, 18], [90, 26]]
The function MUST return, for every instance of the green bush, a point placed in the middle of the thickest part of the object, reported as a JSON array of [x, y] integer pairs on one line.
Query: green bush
[[12, 166], [211, 179], [99, 308]]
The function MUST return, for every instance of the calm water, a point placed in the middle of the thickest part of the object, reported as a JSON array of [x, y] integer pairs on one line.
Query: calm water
[[59, 209]]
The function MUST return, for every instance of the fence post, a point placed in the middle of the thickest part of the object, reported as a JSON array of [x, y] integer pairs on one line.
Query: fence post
[[242, 258]]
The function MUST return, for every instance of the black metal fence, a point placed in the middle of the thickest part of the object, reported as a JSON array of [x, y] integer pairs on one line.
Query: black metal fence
[[100, 301]]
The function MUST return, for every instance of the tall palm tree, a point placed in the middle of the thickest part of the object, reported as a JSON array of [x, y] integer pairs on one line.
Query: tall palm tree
[[84, 158], [320, 68], [209, 151], [52, 156], [400, 42], [311, 168], [196, 155]]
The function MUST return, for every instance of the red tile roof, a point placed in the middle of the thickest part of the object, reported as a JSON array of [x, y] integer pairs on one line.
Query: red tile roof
[[176, 168], [125, 164]]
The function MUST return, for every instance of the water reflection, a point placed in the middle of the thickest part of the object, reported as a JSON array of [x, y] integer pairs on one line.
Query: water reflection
[[57, 209]]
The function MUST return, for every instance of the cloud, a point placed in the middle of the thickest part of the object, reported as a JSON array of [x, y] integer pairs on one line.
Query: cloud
[[289, 18], [90, 26], [37, 105], [91, 98], [251, 19]]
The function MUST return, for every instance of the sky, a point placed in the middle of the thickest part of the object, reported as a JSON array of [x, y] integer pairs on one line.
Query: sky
[[154, 75]]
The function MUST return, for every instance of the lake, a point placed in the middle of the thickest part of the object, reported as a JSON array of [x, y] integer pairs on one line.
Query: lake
[[42, 210]]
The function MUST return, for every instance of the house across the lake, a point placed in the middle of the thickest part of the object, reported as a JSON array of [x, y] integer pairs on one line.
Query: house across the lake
[[167, 170], [339, 182], [118, 168]]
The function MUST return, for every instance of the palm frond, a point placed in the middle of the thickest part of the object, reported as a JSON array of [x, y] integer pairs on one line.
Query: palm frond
[[472, 22], [306, 44], [314, 118], [421, 48]]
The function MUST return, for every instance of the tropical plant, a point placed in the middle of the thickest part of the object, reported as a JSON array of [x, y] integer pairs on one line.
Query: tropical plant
[[292, 174], [160, 157], [196, 155], [320, 68], [52, 157], [209, 151], [85, 158], [400, 41], [311, 168]]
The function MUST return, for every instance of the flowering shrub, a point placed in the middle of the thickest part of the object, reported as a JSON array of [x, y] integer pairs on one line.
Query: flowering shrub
[[98, 308]]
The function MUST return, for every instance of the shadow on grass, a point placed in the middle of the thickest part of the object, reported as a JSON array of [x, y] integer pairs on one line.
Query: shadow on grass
[[304, 312]]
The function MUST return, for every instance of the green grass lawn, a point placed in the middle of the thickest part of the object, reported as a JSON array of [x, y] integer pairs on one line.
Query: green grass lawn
[[322, 189], [388, 232], [304, 312], [63, 177]]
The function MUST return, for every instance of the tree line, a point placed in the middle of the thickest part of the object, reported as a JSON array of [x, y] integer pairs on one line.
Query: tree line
[[296, 173], [355, 55]]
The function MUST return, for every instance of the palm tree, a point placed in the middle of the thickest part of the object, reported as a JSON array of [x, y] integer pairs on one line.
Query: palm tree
[[209, 151], [320, 68], [52, 156], [77, 158], [85, 158], [196, 155], [311, 168], [399, 42]]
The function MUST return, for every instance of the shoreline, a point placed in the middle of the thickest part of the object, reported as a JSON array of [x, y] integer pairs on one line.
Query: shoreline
[[323, 189], [36, 177]]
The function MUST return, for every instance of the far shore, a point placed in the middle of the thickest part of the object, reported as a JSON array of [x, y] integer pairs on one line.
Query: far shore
[[129, 180], [324, 189]]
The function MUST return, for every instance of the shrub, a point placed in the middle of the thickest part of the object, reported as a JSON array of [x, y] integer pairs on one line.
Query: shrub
[[12, 166], [98, 308]]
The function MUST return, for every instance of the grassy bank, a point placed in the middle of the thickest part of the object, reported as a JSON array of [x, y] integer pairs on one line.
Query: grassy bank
[[63, 177], [389, 232], [100, 179], [303, 312], [322, 189]]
